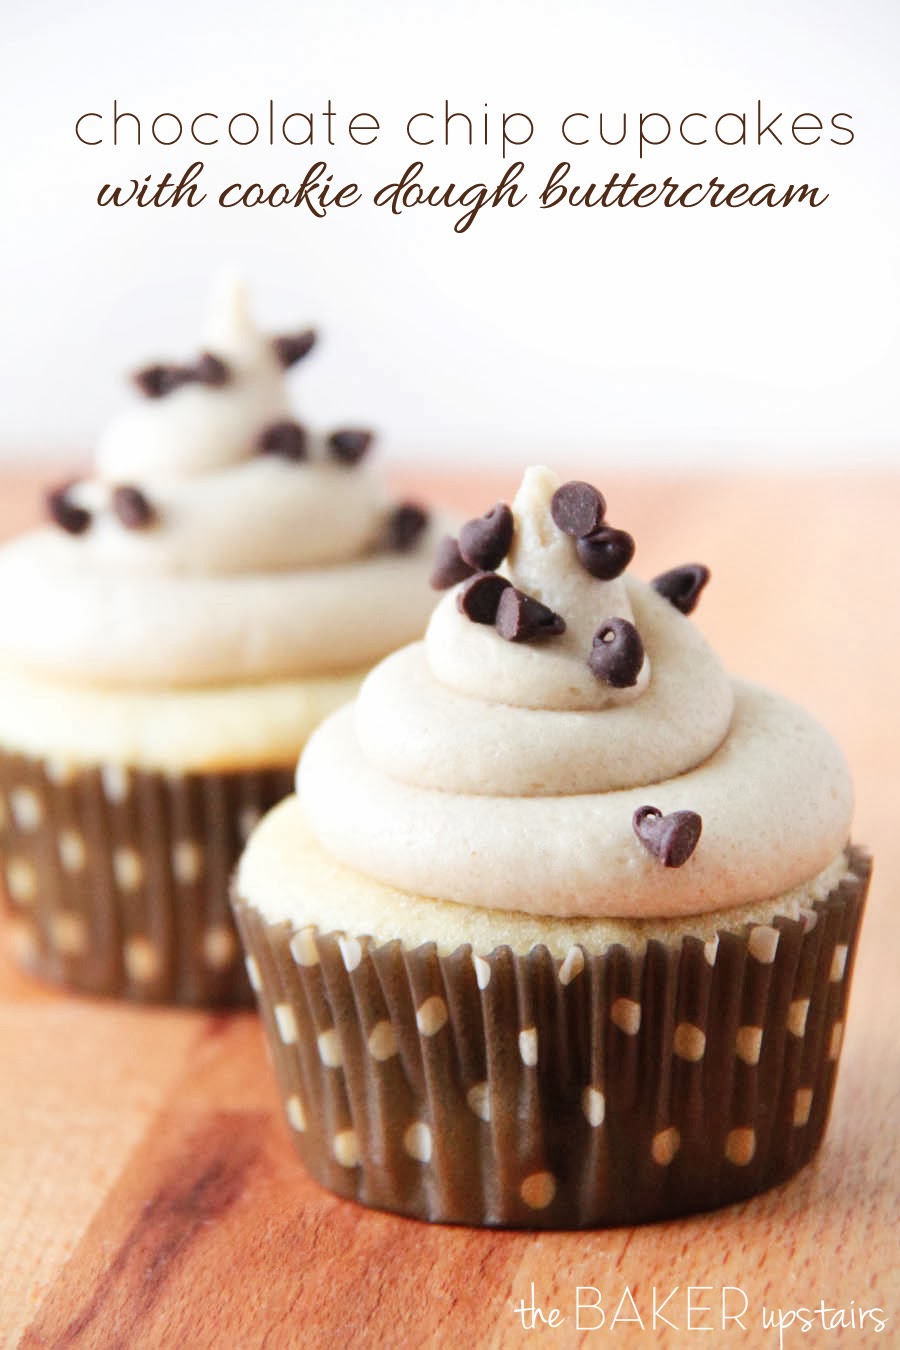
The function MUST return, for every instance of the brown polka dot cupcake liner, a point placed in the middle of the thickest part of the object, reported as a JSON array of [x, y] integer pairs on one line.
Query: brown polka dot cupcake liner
[[117, 878], [527, 1091]]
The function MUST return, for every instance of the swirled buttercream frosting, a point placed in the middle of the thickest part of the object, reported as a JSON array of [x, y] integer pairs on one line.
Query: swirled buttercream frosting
[[218, 538], [565, 741]]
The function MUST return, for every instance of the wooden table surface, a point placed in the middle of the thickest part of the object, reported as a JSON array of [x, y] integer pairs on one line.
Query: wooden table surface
[[149, 1194]]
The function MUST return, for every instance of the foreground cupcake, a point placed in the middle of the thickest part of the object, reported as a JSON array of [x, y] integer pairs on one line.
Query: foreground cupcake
[[559, 926], [194, 608]]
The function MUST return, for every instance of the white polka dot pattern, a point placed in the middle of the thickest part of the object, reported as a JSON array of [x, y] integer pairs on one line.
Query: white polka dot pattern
[[528, 1046], [748, 1044], [128, 869], [295, 1114], [382, 1041], [478, 1098], [665, 1145], [303, 947], [482, 971], [72, 850], [625, 1014], [593, 1104], [802, 1105], [763, 943], [141, 959], [286, 1023], [797, 1015], [740, 1146], [838, 963], [187, 861], [417, 1141], [432, 1016], [219, 947], [115, 782], [330, 1052], [21, 878], [689, 1042], [26, 808], [346, 1148], [572, 966], [538, 1190]]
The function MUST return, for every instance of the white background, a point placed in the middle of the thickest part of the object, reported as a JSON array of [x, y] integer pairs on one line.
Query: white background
[[680, 337]]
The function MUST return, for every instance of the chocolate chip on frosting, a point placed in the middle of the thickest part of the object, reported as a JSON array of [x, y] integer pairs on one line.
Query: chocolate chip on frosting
[[480, 597], [287, 439], [65, 513], [132, 507], [450, 566], [682, 585], [349, 446], [404, 527], [577, 509], [292, 347], [605, 553], [484, 542], [212, 370], [672, 838], [618, 654], [521, 618], [158, 380]]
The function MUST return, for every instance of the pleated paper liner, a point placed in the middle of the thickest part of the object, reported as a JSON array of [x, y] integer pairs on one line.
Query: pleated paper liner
[[117, 879], [528, 1091]]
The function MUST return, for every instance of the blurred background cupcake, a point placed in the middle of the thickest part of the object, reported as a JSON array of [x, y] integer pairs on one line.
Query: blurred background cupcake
[[194, 607], [559, 928]]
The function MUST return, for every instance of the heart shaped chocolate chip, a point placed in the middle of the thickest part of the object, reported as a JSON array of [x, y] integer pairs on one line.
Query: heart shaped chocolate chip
[[521, 618], [484, 542], [292, 347], [349, 446], [133, 507], [404, 527], [682, 585], [577, 509], [65, 513], [672, 838], [212, 370], [481, 596], [617, 654], [605, 553], [287, 439], [449, 565]]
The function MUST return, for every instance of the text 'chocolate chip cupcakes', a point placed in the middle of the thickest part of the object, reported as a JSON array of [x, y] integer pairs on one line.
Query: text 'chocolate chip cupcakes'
[[193, 610], [558, 928]]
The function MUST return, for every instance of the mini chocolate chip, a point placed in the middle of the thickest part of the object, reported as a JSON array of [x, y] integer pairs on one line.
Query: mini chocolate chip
[[605, 553], [212, 370], [682, 585], [287, 439], [484, 542], [577, 509], [618, 654], [481, 595], [292, 347], [449, 565], [404, 526], [672, 838], [348, 447], [132, 507], [159, 380], [521, 618], [64, 512]]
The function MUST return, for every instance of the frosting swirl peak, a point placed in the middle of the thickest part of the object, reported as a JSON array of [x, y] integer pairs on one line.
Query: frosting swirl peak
[[524, 774]]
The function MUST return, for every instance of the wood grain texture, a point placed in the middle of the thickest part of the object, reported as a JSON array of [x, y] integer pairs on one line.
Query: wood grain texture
[[149, 1194]]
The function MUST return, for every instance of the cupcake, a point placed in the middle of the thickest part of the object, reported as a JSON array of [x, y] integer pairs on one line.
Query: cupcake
[[191, 611], [558, 928]]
